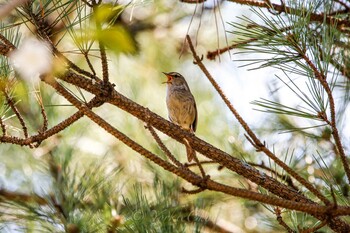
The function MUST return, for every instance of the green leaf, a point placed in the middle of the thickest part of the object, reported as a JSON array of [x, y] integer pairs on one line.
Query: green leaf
[[107, 13], [117, 38]]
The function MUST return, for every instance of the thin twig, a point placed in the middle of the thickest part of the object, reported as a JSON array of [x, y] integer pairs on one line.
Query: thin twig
[[102, 50], [314, 229], [212, 54], [87, 3], [343, 4], [12, 104], [281, 222], [201, 162], [41, 136], [89, 62], [199, 166], [74, 66], [212, 226], [323, 80], [257, 143], [3, 126], [40, 29], [43, 113], [163, 147]]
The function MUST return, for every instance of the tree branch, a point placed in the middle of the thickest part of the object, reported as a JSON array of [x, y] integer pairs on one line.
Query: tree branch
[[340, 23], [19, 197], [41, 136], [256, 142], [163, 147], [12, 104], [281, 222], [191, 177], [211, 55], [323, 80], [178, 134]]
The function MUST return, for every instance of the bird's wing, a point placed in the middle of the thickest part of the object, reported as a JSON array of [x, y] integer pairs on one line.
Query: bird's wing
[[194, 124]]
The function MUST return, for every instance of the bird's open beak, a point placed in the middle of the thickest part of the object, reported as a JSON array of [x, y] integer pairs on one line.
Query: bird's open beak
[[169, 78]]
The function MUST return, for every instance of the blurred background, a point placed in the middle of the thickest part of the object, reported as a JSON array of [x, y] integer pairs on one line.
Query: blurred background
[[154, 42]]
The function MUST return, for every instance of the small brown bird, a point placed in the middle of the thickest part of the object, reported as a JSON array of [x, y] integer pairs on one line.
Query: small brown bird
[[181, 106]]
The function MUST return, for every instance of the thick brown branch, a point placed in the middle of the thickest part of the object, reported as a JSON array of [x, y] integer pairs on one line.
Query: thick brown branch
[[178, 134], [192, 177], [204, 148]]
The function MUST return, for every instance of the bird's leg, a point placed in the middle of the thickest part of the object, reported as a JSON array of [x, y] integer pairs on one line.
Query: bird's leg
[[191, 154], [189, 150]]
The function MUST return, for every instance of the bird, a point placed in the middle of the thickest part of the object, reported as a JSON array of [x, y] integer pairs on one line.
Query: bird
[[182, 109]]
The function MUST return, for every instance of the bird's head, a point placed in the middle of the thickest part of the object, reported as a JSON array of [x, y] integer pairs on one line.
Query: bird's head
[[175, 78]]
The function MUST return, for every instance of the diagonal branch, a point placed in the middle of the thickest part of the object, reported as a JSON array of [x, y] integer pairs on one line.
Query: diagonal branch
[[281, 221], [316, 228], [43, 113], [323, 80], [41, 136], [188, 175], [203, 147], [256, 142], [212, 54], [163, 147], [178, 134], [12, 104]]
